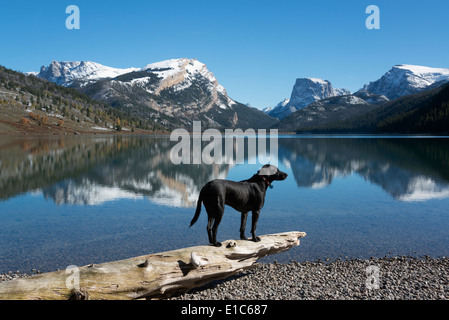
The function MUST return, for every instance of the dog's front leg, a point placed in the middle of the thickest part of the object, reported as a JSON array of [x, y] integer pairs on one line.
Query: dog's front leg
[[255, 218], [243, 226]]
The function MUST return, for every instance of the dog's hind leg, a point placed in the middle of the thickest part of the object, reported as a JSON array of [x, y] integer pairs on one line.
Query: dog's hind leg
[[216, 212], [210, 222], [243, 226], [215, 228], [255, 218], [214, 215]]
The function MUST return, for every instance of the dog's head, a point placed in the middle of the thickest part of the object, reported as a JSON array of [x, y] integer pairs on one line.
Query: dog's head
[[272, 173]]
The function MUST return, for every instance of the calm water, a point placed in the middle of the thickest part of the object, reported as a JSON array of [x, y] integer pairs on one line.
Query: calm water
[[82, 200]]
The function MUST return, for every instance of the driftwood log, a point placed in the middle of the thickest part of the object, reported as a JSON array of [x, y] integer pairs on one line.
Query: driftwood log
[[151, 276]]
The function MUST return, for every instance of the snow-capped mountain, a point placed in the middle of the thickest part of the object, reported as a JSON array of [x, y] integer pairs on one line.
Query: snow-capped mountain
[[306, 91], [336, 108], [65, 73], [281, 110], [405, 79], [173, 92], [180, 74], [319, 102]]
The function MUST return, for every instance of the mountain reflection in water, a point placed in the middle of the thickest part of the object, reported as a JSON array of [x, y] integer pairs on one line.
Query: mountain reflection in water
[[94, 170], [408, 169]]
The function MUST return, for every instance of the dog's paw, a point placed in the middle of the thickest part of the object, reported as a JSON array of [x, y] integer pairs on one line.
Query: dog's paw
[[256, 239], [217, 244]]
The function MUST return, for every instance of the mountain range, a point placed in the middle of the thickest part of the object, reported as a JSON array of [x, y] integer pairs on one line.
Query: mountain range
[[425, 112], [401, 94], [172, 93], [400, 81], [86, 96]]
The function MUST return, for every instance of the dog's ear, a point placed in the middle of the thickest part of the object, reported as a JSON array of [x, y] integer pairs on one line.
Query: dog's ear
[[267, 170]]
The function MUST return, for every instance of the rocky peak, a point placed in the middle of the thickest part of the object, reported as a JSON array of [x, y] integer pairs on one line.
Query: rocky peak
[[405, 79], [306, 91], [65, 73], [182, 73]]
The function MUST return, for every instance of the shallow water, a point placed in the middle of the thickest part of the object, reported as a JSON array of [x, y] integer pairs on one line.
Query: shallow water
[[82, 200]]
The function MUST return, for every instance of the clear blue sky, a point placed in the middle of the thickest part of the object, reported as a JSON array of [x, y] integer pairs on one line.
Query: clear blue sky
[[256, 49]]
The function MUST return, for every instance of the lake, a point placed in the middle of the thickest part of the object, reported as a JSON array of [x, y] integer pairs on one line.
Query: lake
[[81, 200]]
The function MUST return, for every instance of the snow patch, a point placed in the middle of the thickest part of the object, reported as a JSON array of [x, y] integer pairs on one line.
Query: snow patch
[[317, 80], [101, 128]]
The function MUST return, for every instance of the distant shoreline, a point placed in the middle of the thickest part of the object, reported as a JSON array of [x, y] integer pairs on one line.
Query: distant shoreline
[[280, 134]]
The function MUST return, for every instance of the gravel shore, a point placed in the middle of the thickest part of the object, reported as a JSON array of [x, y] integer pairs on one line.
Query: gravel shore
[[389, 278], [16, 274]]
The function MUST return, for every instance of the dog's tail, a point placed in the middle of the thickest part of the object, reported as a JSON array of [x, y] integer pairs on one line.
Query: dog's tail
[[198, 210]]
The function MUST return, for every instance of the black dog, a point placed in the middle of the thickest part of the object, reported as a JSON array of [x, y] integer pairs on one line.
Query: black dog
[[244, 196]]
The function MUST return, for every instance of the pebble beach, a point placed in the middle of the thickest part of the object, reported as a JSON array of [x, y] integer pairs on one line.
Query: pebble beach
[[388, 278]]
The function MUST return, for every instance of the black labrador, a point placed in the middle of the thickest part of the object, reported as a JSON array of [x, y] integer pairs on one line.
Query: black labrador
[[244, 196]]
